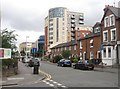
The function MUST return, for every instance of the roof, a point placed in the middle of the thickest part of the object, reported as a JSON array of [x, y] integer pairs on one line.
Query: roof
[[114, 10], [74, 42], [90, 36]]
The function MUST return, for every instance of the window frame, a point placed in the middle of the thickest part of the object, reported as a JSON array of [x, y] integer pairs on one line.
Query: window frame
[[112, 34], [104, 36]]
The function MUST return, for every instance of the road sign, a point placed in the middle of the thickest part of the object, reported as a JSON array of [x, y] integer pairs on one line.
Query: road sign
[[34, 50]]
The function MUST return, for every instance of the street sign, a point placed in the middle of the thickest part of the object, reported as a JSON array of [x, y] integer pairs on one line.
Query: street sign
[[5, 53], [34, 50]]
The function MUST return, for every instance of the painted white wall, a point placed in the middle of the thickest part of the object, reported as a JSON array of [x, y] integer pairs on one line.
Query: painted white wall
[[109, 60]]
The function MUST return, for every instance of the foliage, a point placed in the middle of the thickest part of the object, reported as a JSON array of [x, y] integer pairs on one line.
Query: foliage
[[46, 58], [66, 54], [8, 39], [9, 62], [57, 58], [75, 60]]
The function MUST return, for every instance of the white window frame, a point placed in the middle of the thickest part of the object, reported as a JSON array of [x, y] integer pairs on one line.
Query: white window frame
[[75, 47], [113, 20], [112, 34], [91, 55], [108, 52], [98, 54], [69, 47], [104, 36], [81, 55], [105, 25], [81, 45], [91, 42]]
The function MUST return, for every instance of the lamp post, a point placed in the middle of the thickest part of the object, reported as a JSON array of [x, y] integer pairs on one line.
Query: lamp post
[[26, 45]]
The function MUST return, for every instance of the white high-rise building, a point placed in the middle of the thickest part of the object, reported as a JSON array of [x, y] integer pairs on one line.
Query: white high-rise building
[[59, 24]]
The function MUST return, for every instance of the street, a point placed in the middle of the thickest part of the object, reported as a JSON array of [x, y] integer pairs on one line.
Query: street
[[63, 77]]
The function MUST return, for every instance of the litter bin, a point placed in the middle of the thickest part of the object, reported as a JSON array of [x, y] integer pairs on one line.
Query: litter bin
[[36, 67]]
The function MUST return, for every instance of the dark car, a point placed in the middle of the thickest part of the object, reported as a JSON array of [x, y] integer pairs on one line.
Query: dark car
[[64, 62], [84, 65], [33, 62]]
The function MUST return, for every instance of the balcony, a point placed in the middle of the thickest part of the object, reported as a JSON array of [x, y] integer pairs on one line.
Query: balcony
[[81, 22], [73, 17], [73, 35], [81, 18], [72, 25], [72, 21]]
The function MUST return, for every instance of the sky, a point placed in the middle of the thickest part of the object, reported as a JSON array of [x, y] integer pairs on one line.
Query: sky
[[26, 17]]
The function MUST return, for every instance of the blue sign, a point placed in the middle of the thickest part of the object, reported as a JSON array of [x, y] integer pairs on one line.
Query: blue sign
[[34, 50]]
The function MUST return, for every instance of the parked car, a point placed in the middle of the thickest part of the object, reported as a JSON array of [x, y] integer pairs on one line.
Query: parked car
[[64, 62], [81, 64], [33, 62]]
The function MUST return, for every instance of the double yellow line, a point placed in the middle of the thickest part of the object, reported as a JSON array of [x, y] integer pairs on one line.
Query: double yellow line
[[47, 76]]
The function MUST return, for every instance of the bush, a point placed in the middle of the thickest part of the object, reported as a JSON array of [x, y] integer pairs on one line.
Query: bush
[[57, 58], [9, 62], [75, 60]]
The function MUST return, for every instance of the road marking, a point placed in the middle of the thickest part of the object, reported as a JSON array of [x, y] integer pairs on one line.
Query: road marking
[[63, 86], [59, 84], [15, 78], [54, 82], [51, 85]]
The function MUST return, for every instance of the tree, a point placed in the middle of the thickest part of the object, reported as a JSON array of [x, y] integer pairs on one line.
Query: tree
[[66, 54], [8, 39]]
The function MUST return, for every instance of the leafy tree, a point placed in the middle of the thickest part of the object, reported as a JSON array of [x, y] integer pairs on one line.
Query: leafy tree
[[8, 39], [57, 58], [66, 53]]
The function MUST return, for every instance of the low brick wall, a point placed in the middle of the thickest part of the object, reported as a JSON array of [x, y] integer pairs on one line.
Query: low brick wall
[[6, 72]]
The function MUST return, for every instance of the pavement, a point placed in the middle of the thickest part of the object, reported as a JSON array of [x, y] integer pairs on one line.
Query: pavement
[[24, 76], [106, 69]]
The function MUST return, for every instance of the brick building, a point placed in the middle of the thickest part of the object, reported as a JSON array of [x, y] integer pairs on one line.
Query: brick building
[[71, 46], [89, 46], [110, 25]]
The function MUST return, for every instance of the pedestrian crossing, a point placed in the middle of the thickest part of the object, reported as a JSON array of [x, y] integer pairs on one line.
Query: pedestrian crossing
[[53, 83]]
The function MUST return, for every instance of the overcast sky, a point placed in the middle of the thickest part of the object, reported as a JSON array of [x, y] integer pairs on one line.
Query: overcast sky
[[26, 17]]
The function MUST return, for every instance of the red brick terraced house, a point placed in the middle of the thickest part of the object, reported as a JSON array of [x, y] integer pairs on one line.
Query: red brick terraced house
[[110, 25], [71, 46], [89, 46]]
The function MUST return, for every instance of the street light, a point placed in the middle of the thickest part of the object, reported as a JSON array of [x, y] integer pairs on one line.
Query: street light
[[26, 45]]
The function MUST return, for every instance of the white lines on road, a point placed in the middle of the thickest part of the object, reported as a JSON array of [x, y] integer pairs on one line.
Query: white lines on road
[[52, 83], [15, 78]]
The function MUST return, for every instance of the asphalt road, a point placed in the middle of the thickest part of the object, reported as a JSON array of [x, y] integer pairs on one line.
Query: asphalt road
[[70, 77], [64, 77]]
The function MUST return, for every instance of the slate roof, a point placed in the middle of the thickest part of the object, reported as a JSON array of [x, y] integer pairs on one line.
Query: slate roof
[[65, 44]]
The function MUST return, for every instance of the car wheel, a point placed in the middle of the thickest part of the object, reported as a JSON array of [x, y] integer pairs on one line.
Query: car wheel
[[92, 68]]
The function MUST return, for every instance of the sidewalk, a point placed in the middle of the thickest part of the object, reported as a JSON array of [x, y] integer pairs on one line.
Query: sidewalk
[[106, 69], [25, 75]]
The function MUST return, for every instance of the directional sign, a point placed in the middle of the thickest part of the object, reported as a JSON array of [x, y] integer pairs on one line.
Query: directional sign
[[34, 50]]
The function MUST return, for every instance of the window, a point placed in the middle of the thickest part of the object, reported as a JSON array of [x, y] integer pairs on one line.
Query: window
[[113, 34], [98, 55], [75, 47], [106, 22], [70, 48], [105, 36], [112, 20], [109, 52], [81, 55], [81, 45], [104, 52], [91, 43], [65, 48], [91, 55]]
